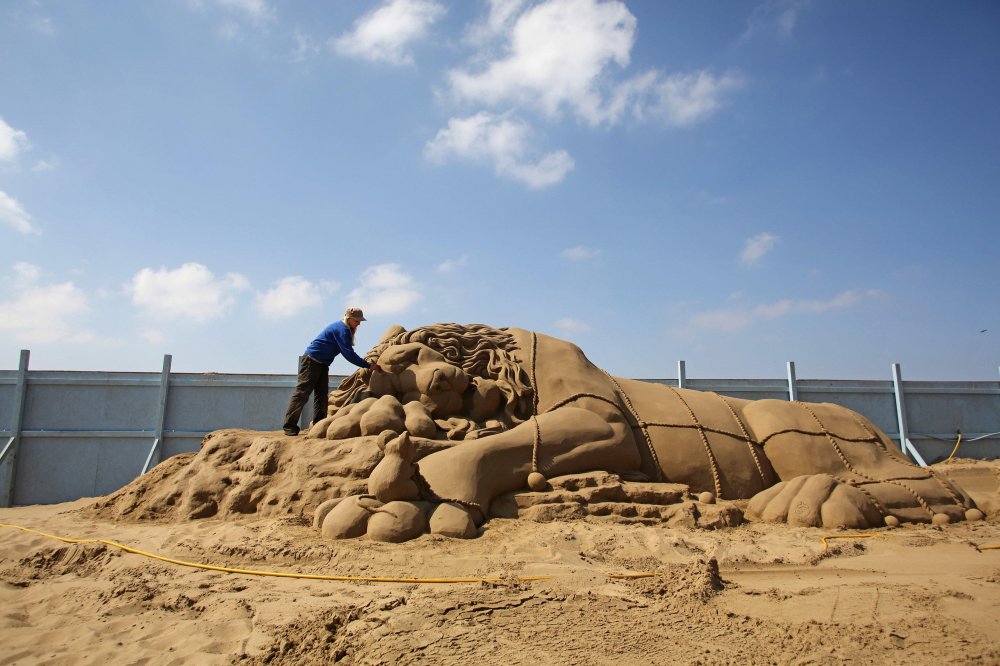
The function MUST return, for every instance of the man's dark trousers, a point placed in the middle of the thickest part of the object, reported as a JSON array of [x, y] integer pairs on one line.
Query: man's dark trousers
[[314, 377]]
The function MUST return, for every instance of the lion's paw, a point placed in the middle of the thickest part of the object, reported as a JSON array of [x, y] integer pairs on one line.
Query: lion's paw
[[365, 516], [817, 500], [373, 416], [392, 509], [452, 520], [397, 521], [349, 518]]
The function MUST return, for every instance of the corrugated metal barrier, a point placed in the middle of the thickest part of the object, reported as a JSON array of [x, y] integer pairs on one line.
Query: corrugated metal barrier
[[66, 435]]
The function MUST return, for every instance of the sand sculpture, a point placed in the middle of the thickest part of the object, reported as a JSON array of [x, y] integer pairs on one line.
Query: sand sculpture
[[521, 408], [471, 422]]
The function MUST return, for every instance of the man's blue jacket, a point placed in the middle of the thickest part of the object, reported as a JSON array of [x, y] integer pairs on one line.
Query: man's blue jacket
[[335, 339]]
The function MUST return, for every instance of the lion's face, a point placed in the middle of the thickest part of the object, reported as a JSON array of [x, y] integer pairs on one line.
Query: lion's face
[[416, 372]]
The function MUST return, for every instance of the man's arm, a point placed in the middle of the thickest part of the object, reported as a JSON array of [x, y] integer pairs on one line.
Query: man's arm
[[343, 338]]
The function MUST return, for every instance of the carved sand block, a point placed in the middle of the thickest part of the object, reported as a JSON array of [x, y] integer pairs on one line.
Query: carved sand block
[[605, 495], [500, 422]]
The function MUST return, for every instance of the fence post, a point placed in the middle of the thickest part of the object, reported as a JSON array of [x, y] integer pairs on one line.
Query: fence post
[[905, 445], [155, 452], [793, 390], [681, 374], [8, 457]]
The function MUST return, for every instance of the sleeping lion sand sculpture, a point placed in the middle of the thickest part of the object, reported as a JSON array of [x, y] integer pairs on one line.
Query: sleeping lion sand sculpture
[[507, 409]]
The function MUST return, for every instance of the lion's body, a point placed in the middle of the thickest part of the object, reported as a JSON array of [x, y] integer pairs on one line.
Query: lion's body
[[562, 414]]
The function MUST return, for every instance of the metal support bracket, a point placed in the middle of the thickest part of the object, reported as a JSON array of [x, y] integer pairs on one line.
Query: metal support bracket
[[793, 390], [912, 450], [8, 460], [8, 447], [154, 454], [155, 451], [905, 445]]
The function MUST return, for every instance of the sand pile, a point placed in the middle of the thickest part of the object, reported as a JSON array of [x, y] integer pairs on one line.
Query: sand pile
[[239, 472], [754, 594]]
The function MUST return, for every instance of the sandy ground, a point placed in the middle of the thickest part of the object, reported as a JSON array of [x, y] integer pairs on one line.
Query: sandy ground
[[755, 594]]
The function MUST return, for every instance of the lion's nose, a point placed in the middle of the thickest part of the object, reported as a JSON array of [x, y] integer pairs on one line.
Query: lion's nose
[[438, 382]]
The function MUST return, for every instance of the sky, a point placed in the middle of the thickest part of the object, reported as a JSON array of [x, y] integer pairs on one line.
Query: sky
[[732, 184]]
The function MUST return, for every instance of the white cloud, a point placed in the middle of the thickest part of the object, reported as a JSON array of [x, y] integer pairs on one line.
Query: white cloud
[[258, 11], [305, 47], [556, 57], [726, 319], [14, 215], [43, 25], [229, 30], [557, 53], [774, 17], [497, 22], [235, 14], [152, 336], [755, 248], [579, 253], [739, 317], [191, 291], [685, 99], [844, 299], [40, 314], [385, 33], [45, 165], [290, 296], [385, 290], [502, 142], [676, 100], [571, 325], [565, 55], [12, 142], [26, 274], [450, 265]]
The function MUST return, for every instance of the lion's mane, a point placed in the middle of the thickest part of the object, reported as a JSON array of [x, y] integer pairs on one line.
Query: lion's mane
[[480, 350]]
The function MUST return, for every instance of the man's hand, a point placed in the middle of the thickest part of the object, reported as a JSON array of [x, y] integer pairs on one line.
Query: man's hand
[[376, 367]]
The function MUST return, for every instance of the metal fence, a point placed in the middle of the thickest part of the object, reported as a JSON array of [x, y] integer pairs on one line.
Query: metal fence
[[66, 435]]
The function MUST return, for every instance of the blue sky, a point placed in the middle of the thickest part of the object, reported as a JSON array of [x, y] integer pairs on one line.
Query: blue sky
[[735, 184]]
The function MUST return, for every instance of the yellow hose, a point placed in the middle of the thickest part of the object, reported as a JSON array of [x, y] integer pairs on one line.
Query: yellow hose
[[956, 447], [826, 546], [278, 574], [373, 579]]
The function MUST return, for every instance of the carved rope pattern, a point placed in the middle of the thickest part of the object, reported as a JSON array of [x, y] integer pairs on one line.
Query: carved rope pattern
[[640, 423], [958, 500], [847, 463], [704, 440], [746, 436], [534, 384], [536, 444]]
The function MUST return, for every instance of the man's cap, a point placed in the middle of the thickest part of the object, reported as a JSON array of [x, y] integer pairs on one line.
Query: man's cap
[[355, 313]]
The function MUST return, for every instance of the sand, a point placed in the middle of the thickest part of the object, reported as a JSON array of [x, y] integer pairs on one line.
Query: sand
[[753, 594]]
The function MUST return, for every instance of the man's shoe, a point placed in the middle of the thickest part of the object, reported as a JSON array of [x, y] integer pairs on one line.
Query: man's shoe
[[291, 432]]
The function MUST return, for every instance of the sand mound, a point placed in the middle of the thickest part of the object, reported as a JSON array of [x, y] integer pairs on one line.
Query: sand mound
[[244, 473], [733, 593], [240, 472], [752, 594]]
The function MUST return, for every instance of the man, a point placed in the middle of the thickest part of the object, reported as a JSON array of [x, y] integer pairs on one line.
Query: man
[[314, 367]]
